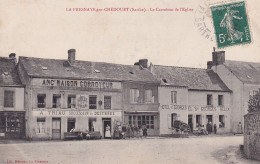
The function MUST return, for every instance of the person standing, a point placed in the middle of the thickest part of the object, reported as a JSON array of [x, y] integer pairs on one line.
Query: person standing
[[145, 131], [108, 133], [215, 128]]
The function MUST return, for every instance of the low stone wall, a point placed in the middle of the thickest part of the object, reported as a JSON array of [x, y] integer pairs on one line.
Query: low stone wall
[[252, 135]]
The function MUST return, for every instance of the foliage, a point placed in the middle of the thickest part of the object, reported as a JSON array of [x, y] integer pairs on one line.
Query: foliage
[[254, 103]]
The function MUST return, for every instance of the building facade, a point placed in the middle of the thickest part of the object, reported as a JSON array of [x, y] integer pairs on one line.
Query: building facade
[[68, 94], [243, 78], [12, 113], [195, 96]]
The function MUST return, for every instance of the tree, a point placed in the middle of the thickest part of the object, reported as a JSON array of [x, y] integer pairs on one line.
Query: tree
[[254, 103]]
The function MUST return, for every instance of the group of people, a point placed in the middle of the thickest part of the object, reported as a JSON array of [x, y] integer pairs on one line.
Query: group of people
[[136, 131], [208, 130], [129, 131]]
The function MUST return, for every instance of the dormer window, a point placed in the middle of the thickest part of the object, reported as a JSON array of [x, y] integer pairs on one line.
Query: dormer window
[[131, 72], [164, 80], [97, 71]]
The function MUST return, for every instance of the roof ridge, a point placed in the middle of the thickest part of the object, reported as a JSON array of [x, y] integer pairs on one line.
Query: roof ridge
[[79, 61], [243, 61], [181, 67]]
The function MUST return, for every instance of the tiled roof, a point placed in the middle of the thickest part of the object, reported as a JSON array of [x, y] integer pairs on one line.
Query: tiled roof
[[52, 68], [193, 78], [247, 72], [8, 72]]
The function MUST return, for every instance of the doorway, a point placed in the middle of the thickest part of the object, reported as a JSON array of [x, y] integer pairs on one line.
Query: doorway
[[56, 128], [106, 122], [190, 123], [209, 123]]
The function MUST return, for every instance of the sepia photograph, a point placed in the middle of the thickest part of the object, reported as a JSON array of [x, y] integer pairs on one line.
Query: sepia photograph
[[129, 82]]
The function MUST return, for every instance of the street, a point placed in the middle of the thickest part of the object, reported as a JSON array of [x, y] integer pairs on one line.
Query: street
[[194, 150]]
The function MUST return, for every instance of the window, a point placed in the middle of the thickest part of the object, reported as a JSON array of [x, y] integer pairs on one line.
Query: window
[[221, 121], [92, 124], [140, 120], [209, 99], [41, 125], [107, 102], [71, 124], [174, 97], [148, 96], [253, 92], [92, 102], [9, 99], [71, 101], [134, 95], [56, 101], [220, 100], [41, 100]]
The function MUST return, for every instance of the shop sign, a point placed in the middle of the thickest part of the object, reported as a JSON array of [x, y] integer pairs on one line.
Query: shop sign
[[174, 107], [72, 113], [77, 84], [206, 108]]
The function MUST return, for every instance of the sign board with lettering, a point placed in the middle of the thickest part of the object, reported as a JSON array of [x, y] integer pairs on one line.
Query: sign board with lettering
[[83, 84], [73, 113], [193, 108]]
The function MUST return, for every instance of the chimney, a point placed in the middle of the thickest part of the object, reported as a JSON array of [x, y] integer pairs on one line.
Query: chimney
[[209, 64], [218, 57], [71, 56], [143, 63], [12, 56]]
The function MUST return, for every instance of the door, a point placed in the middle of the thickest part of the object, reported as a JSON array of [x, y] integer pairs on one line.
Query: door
[[106, 122], [209, 125], [56, 128], [190, 123]]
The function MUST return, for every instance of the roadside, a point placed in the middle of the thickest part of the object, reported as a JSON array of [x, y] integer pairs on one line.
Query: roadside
[[17, 141], [232, 155]]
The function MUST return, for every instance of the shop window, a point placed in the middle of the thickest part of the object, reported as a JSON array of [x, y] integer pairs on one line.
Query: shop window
[[41, 125], [9, 99], [41, 100], [174, 97], [92, 124], [71, 101], [71, 124], [148, 96], [134, 95], [198, 121], [221, 121], [253, 92], [107, 102], [220, 100], [140, 120], [209, 99], [56, 101], [92, 102]]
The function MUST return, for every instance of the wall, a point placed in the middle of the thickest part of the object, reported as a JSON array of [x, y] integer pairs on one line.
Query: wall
[[166, 108], [18, 99], [237, 87], [252, 135]]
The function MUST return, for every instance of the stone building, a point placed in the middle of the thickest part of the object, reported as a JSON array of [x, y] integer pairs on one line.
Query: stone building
[[64, 94], [243, 78], [12, 113], [195, 96]]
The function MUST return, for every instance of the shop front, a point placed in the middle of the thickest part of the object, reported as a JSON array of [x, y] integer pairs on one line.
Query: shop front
[[51, 124], [208, 116], [12, 125], [140, 119]]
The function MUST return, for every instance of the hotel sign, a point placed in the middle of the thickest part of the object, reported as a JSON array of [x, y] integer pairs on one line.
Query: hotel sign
[[77, 84], [194, 108], [74, 113]]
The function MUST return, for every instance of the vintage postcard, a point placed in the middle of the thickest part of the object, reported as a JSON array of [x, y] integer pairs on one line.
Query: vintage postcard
[[128, 81]]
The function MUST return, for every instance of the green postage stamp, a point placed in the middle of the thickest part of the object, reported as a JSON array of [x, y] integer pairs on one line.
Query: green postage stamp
[[231, 24]]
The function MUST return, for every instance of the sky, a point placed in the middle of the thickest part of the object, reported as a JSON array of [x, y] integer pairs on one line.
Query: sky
[[47, 29]]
